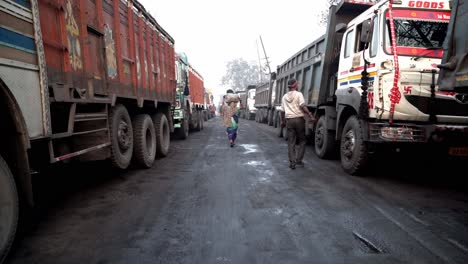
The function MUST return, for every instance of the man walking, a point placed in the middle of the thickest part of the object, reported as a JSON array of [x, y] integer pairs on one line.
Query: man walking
[[294, 107]]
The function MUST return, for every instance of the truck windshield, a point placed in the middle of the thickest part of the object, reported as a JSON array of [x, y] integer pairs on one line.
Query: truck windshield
[[418, 33]]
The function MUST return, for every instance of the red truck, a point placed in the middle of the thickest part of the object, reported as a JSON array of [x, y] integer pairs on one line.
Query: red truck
[[197, 98], [81, 80]]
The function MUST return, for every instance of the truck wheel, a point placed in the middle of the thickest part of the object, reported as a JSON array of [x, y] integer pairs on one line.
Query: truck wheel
[[145, 141], [121, 130], [279, 129], [183, 131], [275, 119], [202, 121], [270, 118], [353, 150], [198, 121], [163, 141], [8, 209], [324, 139]]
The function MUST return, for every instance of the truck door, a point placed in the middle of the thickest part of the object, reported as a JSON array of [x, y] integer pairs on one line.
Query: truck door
[[352, 59]]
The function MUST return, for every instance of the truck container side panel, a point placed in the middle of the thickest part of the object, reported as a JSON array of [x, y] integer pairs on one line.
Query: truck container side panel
[[138, 59], [162, 54], [149, 56], [91, 14], [307, 83], [171, 76], [154, 72], [96, 45], [162, 63], [96, 60], [196, 87], [110, 44], [156, 62], [96, 64], [54, 40], [170, 67], [158, 55], [141, 53], [144, 58], [125, 56], [148, 61], [132, 49], [167, 61], [173, 70], [80, 12], [118, 45]]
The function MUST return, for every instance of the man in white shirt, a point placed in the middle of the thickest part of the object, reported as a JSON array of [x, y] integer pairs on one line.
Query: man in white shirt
[[294, 107]]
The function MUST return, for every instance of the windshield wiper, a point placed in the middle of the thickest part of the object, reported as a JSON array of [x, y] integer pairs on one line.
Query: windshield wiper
[[429, 49]]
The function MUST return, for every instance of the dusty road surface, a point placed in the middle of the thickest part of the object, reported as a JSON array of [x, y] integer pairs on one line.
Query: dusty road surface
[[209, 203]]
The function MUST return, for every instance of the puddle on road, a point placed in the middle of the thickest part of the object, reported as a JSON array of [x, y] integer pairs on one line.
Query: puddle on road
[[277, 211], [249, 148], [256, 163], [265, 177]]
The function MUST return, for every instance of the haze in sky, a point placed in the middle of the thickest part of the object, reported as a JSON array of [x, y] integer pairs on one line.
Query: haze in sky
[[213, 32]]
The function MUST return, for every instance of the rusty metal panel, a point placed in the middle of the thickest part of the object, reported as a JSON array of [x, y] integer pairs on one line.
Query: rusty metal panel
[[95, 45], [197, 90], [52, 37], [91, 14], [110, 42]]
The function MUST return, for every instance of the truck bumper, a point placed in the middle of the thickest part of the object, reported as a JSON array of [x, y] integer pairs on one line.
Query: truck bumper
[[177, 117], [452, 137]]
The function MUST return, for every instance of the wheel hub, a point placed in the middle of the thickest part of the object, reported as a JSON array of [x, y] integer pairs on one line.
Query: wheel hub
[[319, 137], [349, 144], [123, 135]]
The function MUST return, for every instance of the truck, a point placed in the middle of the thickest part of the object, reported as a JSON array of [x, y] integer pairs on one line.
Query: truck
[[371, 81], [188, 110], [79, 81], [250, 109], [264, 101], [209, 105], [243, 103]]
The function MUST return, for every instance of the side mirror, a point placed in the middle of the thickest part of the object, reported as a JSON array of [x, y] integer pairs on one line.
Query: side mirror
[[366, 31], [186, 91], [340, 28]]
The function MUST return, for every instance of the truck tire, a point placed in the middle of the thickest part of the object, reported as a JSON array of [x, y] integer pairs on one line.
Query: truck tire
[[324, 139], [144, 146], [270, 118], [196, 124], [183, 131], [279, 129], [202, 121], [353, 150], [9, 209], [275, 119], [163, 140], [121, 130]]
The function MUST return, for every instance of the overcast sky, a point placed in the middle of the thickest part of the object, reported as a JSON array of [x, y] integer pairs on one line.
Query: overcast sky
[[213, 32]]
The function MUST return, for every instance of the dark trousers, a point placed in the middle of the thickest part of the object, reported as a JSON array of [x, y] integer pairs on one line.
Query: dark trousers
[[296, 134]]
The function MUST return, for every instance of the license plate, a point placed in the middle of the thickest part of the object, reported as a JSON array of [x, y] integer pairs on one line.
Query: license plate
[[458, 151]]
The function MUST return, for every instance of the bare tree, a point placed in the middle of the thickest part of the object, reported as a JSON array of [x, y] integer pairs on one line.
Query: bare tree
[[239, 74]]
